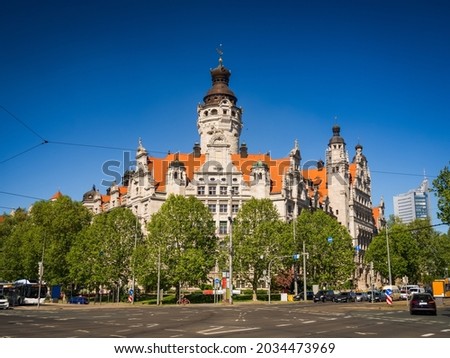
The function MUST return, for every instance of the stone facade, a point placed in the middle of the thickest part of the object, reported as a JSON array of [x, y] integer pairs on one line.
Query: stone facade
[[222, 173]]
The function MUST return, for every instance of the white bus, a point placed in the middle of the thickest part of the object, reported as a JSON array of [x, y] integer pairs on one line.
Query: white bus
[[395, 292]]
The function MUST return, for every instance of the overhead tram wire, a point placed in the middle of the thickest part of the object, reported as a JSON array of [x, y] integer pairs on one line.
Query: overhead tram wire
[[45, 141], [99, 146], [21, 195], [405, 174], [24, 124]]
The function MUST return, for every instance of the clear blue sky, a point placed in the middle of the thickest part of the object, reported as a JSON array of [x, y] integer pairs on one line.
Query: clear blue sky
[[108, 72]]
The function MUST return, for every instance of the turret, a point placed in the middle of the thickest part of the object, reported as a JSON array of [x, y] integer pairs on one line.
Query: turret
[[219, 120]]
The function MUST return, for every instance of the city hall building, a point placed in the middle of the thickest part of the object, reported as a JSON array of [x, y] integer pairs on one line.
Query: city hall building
[[223, 173]]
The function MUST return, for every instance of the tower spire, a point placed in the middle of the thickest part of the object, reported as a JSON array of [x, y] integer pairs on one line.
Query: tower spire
[[220, 53]]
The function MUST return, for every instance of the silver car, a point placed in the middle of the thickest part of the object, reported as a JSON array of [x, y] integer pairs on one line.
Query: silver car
[[4, 303]]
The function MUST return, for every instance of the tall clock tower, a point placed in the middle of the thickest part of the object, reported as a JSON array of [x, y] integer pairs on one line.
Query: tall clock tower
[[219, 120]]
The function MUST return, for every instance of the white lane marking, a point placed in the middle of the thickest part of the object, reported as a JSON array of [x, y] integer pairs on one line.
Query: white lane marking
[[427, 335], [364, 333], [217, 330]]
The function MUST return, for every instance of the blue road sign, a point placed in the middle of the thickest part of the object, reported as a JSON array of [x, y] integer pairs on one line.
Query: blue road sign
[[216, 281], [130, 292], [330, 239], [389, 292], [296, 256]]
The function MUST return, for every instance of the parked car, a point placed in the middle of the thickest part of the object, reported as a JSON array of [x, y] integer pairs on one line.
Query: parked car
[[415, 290], [345, 297], [4, 303], [403, 294], [376, 296], [362, 297], [324, 295], [422, 302], [309, 296], [79, 300]]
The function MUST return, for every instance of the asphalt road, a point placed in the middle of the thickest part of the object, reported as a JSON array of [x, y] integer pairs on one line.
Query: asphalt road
[[255, 320]]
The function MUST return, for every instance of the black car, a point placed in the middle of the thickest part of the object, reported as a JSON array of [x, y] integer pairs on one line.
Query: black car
[[345, 297], [309, 296], [376, 296], [324, 295], [422, 302]]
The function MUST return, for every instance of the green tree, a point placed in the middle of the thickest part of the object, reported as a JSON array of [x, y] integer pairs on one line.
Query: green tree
[[103, 252], [59, 222], [441, 188], [329, 247], [415, 250], [181, 235], [12, 229], [260, 238], [45, 234]]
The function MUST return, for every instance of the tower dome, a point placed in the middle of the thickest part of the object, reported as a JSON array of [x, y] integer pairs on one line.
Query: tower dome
[[336, 138], [220, 77]]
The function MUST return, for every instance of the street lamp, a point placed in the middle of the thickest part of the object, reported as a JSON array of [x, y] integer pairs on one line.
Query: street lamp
[[230, 257], [41, 273], [133, 284], [158, 298], [388, 256], [305, 256]]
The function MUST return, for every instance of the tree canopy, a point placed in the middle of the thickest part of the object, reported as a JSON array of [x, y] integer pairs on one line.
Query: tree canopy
[[416, 251], [181, 236], [45, 234], [329, 247], [103, 251], [441, 188], [259, 238]]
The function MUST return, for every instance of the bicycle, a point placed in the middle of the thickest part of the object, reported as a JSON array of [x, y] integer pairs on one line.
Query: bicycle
[[183, 301]]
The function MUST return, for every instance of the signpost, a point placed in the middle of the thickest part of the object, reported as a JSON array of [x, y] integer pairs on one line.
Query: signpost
[[130, 296], [389, 296]]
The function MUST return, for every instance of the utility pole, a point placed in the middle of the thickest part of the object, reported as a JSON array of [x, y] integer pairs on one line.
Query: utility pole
[[230, 258], [388, 256], [41, 274], [158, 288], [294, 265], [305, 256]]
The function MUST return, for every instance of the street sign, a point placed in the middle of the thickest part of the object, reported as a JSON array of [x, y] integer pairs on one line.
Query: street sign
[[216, 282], [330, 239], [389, 296], [131, 292], [296, 256]]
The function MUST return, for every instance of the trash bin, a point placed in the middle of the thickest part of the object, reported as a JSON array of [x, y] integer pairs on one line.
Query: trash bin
[[284, 297]]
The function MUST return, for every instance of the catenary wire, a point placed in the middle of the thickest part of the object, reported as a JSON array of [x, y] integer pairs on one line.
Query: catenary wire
[[23, 123]]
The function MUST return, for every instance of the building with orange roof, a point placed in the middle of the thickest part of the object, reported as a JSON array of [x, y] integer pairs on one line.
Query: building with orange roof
[[222, 173]]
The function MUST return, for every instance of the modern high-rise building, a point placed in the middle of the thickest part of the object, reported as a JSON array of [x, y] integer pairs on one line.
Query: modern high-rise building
[[415, 204]]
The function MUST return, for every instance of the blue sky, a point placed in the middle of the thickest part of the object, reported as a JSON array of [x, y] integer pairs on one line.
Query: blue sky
[[84, 73]]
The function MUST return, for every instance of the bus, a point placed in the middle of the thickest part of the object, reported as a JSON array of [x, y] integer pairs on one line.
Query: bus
[[24, 292]]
